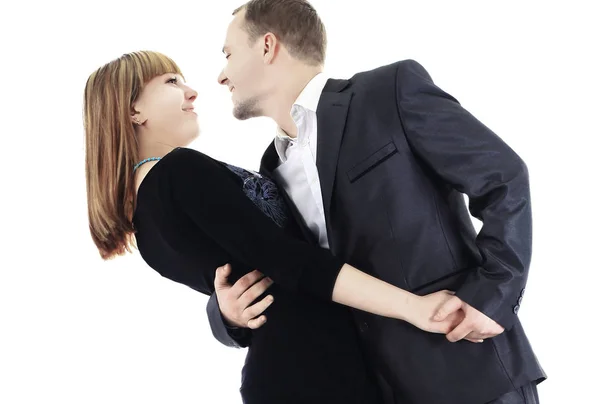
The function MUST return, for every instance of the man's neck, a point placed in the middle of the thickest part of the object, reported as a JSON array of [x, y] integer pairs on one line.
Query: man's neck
[[280, 106]]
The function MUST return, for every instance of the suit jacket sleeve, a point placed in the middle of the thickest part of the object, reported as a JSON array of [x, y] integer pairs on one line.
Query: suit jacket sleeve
[[229, 336], [475, 161]]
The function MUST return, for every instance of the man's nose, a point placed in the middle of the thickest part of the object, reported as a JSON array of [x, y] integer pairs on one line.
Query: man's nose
[[222, 79]]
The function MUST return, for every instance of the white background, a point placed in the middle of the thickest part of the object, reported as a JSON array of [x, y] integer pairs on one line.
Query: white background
[[75, 329]]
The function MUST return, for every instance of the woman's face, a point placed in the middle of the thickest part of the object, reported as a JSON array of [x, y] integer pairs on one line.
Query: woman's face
[[165, 108]]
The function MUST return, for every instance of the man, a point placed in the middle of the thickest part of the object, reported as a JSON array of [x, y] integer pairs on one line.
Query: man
[[376, 167]]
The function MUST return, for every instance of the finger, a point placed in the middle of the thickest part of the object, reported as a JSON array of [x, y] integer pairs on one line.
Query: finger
[[442, 327], [461, 331], [254, 292], [244, 283], [455, 319], [450, 306], [476, 341], [449, 324], [495, 329], [483, 326], [221, 275], [257, 309], [492, 334], [257, 322], [476, 335]]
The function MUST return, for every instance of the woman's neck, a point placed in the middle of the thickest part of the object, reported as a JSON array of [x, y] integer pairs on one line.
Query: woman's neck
[[148, 150], [154, 149], [141, 173]]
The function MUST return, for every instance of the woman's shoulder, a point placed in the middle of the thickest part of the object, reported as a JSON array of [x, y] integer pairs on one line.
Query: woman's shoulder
[[184, 160], [188, 167], [185, 155]]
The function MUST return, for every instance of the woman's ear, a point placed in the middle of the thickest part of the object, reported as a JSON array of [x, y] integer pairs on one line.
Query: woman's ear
[[136, 117]]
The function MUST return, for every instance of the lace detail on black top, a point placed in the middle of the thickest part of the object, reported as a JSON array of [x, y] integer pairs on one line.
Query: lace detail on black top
[[264, 193]]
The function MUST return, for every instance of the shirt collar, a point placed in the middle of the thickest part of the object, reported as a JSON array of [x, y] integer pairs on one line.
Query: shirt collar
[[309, 97], [307, 100]]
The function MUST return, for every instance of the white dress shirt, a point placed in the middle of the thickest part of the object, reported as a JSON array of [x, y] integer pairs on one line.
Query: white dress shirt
[[297, 170]]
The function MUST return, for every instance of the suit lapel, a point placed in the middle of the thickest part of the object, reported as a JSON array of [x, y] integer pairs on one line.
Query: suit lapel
[[269, 161], [331, 121], [268, 164]]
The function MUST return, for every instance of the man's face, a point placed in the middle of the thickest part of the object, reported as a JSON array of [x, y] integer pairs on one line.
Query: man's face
[[245, 71]]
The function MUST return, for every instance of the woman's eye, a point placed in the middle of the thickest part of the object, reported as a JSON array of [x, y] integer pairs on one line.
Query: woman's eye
[[172, 80]]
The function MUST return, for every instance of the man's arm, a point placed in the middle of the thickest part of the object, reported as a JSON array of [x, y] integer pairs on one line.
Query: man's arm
[[475, 161], [227, 335]]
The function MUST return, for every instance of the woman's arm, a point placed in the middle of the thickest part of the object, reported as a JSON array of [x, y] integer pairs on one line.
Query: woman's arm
[[204, 190], [362, 291]]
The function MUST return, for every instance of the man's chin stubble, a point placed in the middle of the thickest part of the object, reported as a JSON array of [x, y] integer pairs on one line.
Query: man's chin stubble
[[246, 110]]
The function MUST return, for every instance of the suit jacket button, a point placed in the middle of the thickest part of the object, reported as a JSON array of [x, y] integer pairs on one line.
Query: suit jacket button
[[364, 327], [520, 300], [516, 309], [522, 291]]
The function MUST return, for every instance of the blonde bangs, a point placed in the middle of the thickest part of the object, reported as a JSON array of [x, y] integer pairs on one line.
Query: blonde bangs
[[145, 65]]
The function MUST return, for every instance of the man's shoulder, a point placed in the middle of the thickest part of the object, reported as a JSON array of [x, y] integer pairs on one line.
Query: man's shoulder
[[404, 76], [390, 70], [386, 69]]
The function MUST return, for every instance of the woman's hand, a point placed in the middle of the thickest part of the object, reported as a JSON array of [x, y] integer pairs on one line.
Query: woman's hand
[[427, 306]]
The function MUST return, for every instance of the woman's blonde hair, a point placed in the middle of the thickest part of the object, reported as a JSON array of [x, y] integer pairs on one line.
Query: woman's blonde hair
[[111, 148]]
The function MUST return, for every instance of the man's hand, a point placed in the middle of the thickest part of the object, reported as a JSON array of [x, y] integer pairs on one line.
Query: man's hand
[[476, 326], [234, 301]]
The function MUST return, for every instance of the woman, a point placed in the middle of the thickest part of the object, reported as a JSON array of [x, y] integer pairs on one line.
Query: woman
[[190, 214]]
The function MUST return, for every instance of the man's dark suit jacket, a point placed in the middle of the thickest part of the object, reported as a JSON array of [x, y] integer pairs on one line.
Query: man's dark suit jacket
[[395, 154]]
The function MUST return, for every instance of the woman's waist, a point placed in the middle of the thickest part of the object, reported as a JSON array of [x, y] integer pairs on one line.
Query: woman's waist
[[297, 337], [306, 369]]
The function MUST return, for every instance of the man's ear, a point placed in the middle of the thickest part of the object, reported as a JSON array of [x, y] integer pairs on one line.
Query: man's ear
[[270, 47]]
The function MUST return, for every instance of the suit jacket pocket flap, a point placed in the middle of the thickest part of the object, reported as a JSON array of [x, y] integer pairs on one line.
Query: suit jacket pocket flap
[[370, 162]]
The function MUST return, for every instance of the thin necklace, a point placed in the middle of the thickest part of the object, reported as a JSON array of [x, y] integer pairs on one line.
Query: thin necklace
[[145, 161]]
